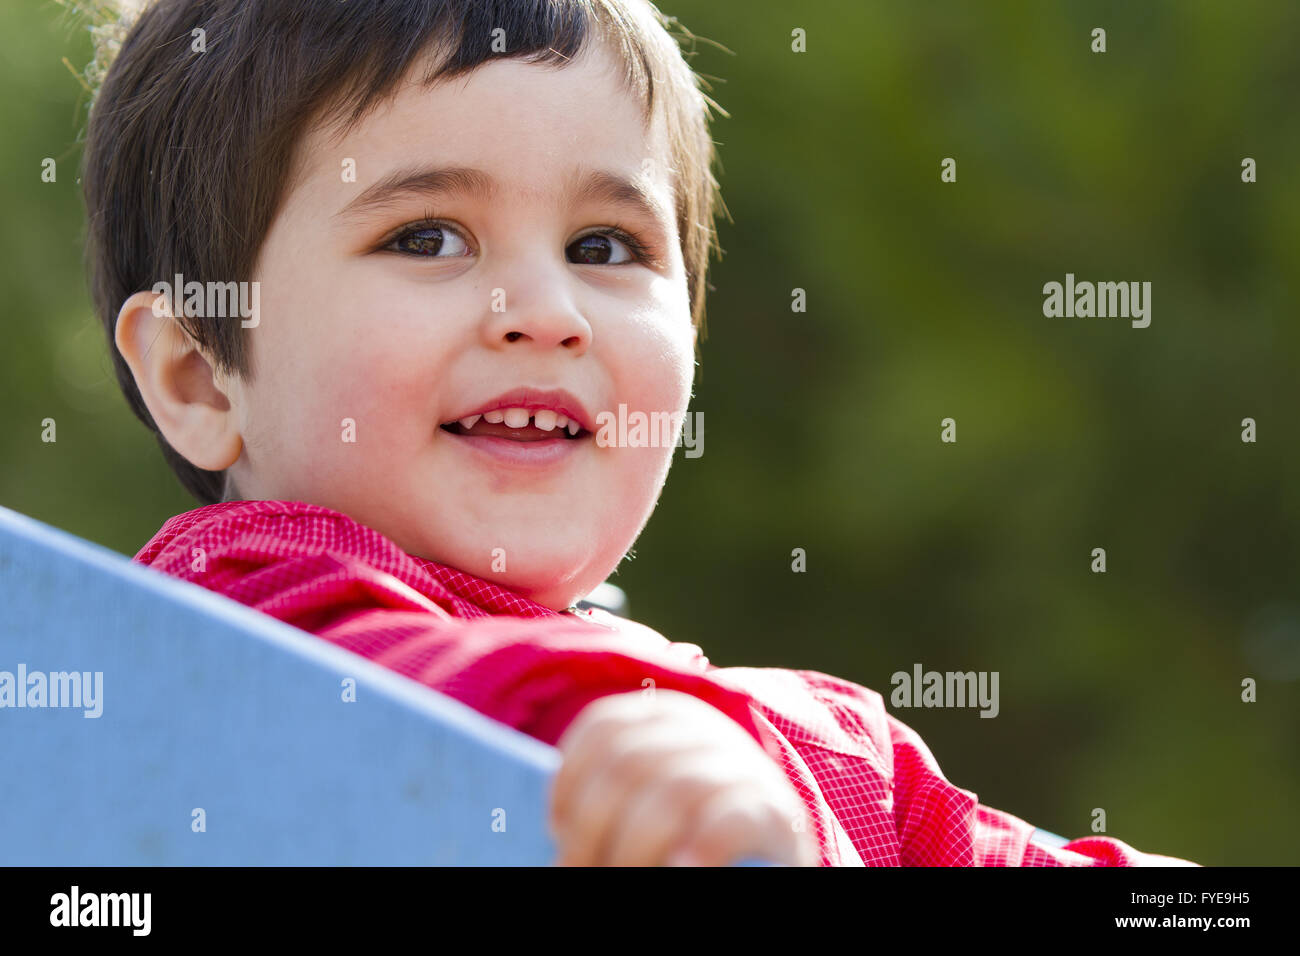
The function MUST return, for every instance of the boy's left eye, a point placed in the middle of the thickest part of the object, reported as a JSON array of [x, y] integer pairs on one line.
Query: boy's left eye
[[598, 249], [429, 241]]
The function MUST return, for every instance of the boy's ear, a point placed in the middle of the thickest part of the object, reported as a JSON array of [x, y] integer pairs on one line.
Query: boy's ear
[[186, 399]]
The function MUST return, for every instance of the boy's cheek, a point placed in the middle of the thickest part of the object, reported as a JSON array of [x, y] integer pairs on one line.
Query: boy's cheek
[[308, 438]]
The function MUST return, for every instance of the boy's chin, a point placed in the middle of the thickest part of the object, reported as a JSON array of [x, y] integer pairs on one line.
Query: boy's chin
[[543, 588], [548, 576]]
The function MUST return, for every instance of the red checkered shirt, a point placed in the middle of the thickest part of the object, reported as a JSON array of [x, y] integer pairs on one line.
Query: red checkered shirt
[[873, 790]]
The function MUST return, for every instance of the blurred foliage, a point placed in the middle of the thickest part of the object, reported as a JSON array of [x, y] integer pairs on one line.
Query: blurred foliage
[[1119, 691]]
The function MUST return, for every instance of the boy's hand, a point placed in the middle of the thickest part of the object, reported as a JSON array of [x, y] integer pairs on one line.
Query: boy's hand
[[668, 779]]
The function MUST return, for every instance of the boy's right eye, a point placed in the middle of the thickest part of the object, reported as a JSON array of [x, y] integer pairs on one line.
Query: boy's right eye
[[429, 241]]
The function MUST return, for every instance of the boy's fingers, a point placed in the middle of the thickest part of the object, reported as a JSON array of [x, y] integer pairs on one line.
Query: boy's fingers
[[807, 850], [657, 816], [579, 758], [585, 745], [730, 826], [603, 794]]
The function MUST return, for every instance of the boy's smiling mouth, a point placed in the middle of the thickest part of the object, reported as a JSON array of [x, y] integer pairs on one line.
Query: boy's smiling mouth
[[524, 426], [525, 414], [517, 424]]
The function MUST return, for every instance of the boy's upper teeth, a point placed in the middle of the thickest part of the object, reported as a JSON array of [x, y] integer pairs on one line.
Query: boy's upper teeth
[[544, 419]]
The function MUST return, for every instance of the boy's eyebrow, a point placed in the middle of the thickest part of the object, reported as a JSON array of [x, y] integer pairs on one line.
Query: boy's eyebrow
[[584, 185]]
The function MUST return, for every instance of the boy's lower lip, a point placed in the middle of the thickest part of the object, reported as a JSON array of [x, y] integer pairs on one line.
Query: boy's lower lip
[[536, 454]]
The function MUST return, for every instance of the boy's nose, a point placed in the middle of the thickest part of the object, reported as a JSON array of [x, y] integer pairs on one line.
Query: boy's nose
[[547, 325]]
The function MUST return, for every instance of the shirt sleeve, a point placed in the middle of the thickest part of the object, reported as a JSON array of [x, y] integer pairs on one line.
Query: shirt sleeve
[[1006, 840], [533, 674]]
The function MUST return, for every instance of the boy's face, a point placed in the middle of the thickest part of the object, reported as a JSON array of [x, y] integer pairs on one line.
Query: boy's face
[[428, 305]]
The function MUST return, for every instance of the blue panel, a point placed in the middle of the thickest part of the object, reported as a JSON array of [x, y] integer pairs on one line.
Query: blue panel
[[208, 704]]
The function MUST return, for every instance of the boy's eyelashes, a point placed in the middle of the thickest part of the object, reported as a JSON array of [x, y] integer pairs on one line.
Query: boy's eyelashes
[[598, 253], [429, 238], [426, 239]]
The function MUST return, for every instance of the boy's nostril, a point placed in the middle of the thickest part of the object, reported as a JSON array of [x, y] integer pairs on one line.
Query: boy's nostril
[[513, 336]]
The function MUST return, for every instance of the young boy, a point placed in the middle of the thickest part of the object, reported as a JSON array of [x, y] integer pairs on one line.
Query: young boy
[[444, 237]]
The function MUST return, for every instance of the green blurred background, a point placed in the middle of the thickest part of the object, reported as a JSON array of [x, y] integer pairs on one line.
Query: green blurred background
[[1118, 690]]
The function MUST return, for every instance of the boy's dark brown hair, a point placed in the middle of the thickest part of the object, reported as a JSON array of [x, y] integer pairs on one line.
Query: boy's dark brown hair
[[188, 154]]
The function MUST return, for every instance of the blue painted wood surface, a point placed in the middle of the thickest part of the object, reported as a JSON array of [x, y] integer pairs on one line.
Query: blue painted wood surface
[[209, 705]]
